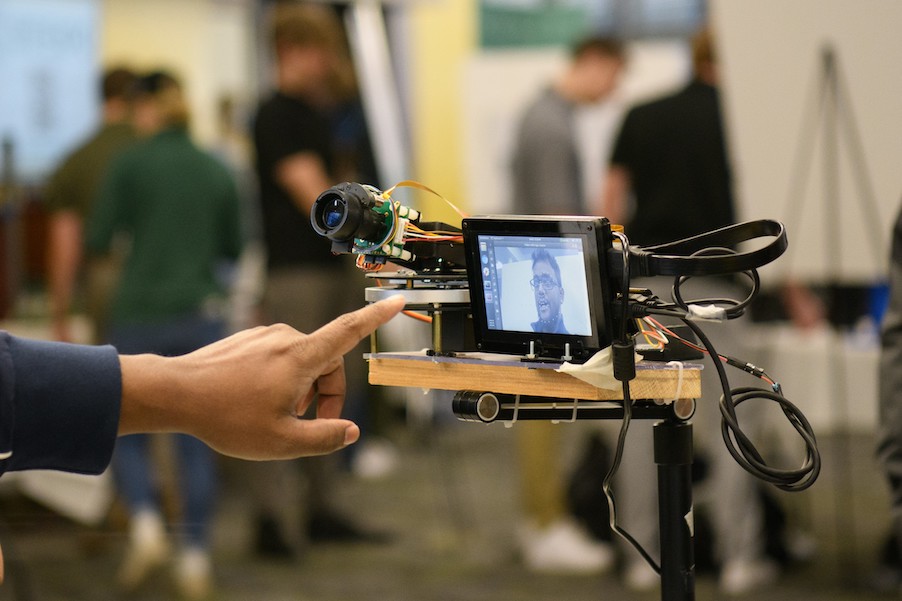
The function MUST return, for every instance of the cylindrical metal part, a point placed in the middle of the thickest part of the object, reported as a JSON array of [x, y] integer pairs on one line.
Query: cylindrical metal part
[[421, 297], [476, 406], [488, 407], [436, 329], [673, 454]]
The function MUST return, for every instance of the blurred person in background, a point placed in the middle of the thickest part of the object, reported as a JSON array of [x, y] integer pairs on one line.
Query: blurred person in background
[[546, 165], [670, 159], [179, 208], [889, 431], [69, 198], [234, 148], [300, 153], [670, 162], [546, 176]]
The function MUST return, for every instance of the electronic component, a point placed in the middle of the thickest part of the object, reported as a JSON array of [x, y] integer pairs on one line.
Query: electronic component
[[362, 220]]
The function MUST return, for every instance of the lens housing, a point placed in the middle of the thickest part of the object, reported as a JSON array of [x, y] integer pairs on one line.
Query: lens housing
[[347, 211]]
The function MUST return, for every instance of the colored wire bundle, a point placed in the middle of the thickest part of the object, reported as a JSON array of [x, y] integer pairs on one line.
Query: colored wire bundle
[[412, 232]]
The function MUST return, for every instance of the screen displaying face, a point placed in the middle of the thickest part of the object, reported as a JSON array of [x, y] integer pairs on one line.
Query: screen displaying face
[[535, 284]]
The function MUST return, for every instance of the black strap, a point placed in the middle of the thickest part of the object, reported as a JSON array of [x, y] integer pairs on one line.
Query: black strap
[[674, 258]]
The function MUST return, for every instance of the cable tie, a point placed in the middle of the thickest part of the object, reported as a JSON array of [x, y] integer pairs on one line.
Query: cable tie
[[513, 420], [679, 389]]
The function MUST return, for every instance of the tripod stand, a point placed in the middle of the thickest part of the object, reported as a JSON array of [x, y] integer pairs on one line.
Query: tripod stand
[[673, 457], [834, 113]]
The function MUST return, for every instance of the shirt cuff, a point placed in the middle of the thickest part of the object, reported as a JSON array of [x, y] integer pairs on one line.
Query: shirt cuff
[[65, 405]]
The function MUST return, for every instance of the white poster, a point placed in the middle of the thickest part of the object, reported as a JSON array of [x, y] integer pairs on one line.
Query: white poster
[[49, 72]]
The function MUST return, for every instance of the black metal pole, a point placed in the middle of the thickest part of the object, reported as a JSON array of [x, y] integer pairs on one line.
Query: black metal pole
[[673, 455]]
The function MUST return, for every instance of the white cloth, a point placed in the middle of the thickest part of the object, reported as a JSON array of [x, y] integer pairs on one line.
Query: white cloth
[[597, 371]]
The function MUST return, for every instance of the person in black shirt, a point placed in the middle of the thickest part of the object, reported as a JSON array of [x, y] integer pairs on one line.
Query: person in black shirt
[[298, 157], [671, 152], [294, 163], [671, 156]]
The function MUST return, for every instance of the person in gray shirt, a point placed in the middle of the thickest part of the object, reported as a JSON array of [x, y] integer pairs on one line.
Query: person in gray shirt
[[546, 179], [545, 169]]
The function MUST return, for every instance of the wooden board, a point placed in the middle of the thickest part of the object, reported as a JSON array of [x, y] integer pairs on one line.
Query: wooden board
[[415, 370]]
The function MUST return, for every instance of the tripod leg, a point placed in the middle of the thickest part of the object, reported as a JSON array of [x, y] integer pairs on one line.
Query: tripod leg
[[673, 455]]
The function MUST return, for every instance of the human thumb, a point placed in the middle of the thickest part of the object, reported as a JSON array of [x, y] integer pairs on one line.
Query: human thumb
[[322, 436]]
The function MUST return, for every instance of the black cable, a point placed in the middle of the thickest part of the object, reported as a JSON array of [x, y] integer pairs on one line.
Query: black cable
[[738, 444], [609, 477], [624, 285], [624, 339], [741, 447], [732, 307]]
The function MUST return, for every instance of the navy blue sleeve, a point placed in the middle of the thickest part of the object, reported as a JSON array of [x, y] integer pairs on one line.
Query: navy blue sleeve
[[59, 405]]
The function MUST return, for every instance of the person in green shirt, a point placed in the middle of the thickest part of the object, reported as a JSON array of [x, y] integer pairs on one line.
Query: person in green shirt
[[179, 209], [69, 197]]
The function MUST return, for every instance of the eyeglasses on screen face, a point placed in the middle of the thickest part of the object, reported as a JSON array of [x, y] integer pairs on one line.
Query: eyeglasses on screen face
[[546, 282]]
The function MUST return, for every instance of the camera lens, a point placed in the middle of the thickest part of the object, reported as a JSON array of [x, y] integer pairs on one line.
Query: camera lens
[[334, 213], [347, 211]]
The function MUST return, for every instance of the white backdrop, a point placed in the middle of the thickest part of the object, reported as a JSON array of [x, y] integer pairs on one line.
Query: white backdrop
[[771, 62]]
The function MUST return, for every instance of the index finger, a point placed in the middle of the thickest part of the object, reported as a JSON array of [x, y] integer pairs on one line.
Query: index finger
[[341, 335]]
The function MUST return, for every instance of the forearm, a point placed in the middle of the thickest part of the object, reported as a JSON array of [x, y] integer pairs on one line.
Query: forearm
[[65, 255], [304, 177], [62, 405], [152, 392]]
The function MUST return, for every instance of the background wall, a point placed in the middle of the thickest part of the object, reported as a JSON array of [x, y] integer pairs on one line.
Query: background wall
[[210, 44], [443, 34], [771, 53]]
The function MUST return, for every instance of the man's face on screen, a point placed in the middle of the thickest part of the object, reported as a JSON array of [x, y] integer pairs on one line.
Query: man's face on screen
[[548, 292]]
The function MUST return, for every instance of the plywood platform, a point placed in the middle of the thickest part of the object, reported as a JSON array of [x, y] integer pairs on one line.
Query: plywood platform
[[508, 375]]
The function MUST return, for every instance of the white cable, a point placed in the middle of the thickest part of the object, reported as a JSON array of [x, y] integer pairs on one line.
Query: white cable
[[575, 407], [572, 418], [513, 420]]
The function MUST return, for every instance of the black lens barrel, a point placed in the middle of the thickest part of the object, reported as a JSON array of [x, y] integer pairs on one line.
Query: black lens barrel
[[345, 212]]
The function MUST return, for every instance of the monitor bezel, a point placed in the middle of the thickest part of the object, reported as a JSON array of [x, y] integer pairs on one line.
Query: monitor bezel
[[595, 232]]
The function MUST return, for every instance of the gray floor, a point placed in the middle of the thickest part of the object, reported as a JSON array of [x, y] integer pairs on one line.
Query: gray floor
[[451, 508]]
